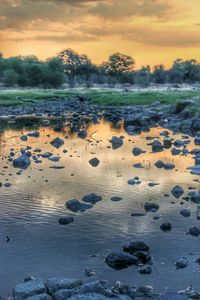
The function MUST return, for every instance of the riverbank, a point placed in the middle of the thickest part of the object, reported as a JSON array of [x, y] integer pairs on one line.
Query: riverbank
[[100, 96]]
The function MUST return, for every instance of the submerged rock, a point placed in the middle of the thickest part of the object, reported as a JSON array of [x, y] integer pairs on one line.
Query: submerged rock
[[166, 226], [146, 270], [185, 213], [137, 151], [182, 263], [75, 206]]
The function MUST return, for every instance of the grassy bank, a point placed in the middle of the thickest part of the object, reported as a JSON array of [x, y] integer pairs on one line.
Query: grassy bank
[[98, 96]]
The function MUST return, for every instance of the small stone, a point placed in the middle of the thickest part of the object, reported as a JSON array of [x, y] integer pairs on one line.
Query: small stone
[[182, 263], [94, 162], [146, 270], [166, 226], [65, 220]]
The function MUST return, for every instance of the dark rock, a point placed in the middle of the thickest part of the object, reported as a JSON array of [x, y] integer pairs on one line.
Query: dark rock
[[185, 213], [65, 220], [182, 263], [177, 191], [150, 206], [57, 142], [195, 231], [92, 198], [120, 260], [27, 289], [22, 162], [159, 164], [157, 146], [117, 142], [82, 134], [94, 162], [166, 226], [136, 246], [146, 270], [58, 283], [137, 151], [116, 199]]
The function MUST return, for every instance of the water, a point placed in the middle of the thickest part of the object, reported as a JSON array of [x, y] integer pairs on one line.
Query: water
[[31, 207]]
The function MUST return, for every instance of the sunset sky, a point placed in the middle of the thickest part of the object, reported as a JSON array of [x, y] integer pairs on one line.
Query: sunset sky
[[152, 31]]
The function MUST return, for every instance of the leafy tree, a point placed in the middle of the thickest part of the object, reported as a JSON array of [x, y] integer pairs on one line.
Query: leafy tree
[[118, 64], [159, 75], [10, 77], [143, 76]]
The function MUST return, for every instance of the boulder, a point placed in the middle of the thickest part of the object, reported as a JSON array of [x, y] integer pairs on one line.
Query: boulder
[[150, 206], [177, 191], [117, 142], [94, 162], [58, 283], [182, 263], [92, 198], [57, 142], [27, 289], [82, 134], [166, 226], [157, 146], [120, 260], [22, 162]]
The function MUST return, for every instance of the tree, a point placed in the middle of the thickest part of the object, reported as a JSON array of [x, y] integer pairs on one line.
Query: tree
[[10, 77], [143, 76], [118, 64], [75, 64], [159, 74], [54, 73]]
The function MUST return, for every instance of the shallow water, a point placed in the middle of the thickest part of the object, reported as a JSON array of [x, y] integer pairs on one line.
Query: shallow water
[[31, 206]]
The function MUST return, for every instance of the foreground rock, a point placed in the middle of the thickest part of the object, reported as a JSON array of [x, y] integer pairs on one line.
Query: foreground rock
[[120, 260], [116, 142], [22, 162], [61, 288]]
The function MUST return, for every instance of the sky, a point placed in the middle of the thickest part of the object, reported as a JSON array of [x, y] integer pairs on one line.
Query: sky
[[151, 31]]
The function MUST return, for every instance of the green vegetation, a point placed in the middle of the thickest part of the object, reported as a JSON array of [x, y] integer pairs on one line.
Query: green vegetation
[[96, 96]]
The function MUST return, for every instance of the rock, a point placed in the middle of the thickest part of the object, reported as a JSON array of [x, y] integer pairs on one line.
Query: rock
[[57, 167], [197, 160], [150, 206], [65, 220], [138, 166], [157, 146], [135, 246], [166, 226], [117, 142], [57, 142], [167, 143], [92, 198], [177, 191], [90, 296], [195, 197], [175, 151], [89, 272], [169, 166], [137, 151], [54, 158], [138, 214], [171, 296], [185, 213], [34, 134], [22, 162], [64, 294], [178, 143], [159, 164], [190, 293], [82, 134], [194, 231], [146, 270], [116, 199], [94, 162], [40, 297], [58, 283], [24, 138], [98, 287], [120, 260], [182, 263], [46, 154], [75, 206], [152, 184], [27, 289], [197, 139]]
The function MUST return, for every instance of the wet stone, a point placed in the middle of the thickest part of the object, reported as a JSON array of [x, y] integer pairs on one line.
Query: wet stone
[[94, 162]]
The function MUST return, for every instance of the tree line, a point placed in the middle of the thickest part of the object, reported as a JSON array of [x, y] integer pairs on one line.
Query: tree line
[[75, 70]]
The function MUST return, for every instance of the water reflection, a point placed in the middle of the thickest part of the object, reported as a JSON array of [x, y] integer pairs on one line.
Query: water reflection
[[30, 208]]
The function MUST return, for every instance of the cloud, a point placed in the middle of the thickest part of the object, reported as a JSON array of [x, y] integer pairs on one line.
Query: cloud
[[127, 8]]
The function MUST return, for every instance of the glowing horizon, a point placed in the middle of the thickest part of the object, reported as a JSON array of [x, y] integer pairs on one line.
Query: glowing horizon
[[152, 32]]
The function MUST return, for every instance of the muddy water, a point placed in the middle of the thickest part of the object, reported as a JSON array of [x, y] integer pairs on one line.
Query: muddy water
[[31, 206]]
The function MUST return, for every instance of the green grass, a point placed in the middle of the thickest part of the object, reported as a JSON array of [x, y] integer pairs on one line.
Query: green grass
[[97, 96]]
